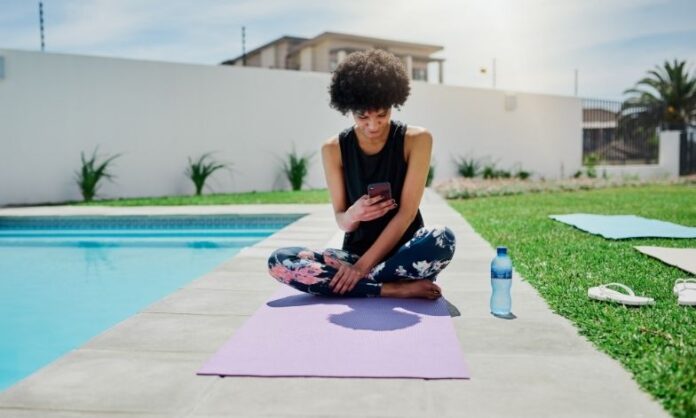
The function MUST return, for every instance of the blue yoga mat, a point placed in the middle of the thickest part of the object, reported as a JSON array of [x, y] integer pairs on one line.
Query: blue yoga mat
[[625, 226]]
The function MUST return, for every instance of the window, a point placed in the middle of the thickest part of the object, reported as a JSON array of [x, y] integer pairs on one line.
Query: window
[[420, 74]]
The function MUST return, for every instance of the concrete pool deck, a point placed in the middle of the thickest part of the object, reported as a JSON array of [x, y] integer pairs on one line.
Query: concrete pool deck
[[534, 366]]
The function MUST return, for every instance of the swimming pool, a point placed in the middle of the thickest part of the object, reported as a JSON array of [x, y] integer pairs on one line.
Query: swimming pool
[[66, 279]]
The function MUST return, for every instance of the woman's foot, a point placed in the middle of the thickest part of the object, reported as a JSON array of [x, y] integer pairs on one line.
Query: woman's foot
[[421, 288]]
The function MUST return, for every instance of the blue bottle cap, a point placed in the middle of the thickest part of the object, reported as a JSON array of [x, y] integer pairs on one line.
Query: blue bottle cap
[[502, 250]]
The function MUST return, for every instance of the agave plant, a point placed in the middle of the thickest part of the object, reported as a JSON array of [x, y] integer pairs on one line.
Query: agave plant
[[199, 171], [468, 166], [666, 98], [296, 168], [91, 173]]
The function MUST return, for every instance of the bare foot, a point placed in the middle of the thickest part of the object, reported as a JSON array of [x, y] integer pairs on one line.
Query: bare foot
[[422, 288]]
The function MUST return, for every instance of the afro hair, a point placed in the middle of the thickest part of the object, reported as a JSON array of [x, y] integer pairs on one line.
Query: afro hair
[[369, 80]]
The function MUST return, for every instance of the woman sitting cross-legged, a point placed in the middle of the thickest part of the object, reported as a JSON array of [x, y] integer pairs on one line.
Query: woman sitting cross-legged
[[387, 251]]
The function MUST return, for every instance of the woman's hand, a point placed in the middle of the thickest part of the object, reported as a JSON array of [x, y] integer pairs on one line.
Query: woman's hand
[[368, 208], [345, 278]]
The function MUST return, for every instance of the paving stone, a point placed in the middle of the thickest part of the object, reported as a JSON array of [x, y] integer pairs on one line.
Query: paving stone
[[113, 381], [169, 333]]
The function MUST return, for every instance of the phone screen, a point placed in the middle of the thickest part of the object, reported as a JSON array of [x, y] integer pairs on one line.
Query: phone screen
[[379, 189]]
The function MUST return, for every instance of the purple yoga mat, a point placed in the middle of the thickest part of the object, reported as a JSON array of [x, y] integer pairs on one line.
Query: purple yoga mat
[[298, 334]]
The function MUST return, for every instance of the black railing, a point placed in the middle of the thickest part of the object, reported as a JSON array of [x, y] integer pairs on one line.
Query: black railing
[[687, 152], [611, 137]]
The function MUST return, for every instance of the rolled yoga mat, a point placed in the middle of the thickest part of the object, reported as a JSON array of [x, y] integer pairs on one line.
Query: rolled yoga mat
[[298, 334], [625, 226]]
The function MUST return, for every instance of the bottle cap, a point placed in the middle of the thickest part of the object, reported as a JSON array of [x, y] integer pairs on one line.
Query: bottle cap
[[502, 250]]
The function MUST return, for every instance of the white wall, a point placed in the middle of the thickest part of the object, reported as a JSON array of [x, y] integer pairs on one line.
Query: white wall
[[52, 106], [667, 165]]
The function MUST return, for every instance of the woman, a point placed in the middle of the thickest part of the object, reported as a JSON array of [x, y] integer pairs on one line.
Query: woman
[[387, 251]]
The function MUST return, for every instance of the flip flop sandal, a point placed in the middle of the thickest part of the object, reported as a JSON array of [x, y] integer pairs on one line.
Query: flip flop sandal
[[685, 290], [603, 293]]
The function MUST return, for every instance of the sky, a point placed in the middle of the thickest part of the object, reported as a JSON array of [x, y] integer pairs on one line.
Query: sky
[[537, 44]]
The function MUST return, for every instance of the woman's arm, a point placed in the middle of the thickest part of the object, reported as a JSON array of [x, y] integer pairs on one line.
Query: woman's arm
[[333, 170], [419, 154]]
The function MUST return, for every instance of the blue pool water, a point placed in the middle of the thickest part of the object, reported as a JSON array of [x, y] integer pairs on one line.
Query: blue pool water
[[65, 280]]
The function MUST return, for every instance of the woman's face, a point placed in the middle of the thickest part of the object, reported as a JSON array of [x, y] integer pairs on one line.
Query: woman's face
[[372, 123]]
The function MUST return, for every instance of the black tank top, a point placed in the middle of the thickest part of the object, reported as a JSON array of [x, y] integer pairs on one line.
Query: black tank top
[[360, 169]]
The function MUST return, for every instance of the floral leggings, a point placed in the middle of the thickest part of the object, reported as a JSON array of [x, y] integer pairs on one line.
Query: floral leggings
[[422, 257]]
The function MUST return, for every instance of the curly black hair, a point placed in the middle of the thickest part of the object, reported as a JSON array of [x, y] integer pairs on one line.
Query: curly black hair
[[369, 80]]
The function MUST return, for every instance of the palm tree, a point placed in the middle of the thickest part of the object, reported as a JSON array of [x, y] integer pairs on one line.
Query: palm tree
[[666, 98]]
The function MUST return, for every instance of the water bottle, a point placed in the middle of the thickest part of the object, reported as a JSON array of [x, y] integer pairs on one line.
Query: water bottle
[[501, 280]]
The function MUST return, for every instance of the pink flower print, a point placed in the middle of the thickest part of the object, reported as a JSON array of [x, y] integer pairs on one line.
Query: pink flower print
[[307, 274], [281, 273], [307, 255]]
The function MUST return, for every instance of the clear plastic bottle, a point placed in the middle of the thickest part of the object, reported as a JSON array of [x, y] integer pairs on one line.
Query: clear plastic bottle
[[501, 280]]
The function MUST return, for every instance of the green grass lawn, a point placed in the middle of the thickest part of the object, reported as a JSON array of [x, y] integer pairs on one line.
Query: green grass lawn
[[657, 344], [287, 197]]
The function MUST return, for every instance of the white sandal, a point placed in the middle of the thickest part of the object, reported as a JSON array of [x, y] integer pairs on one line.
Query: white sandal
[[685, 290], [603, 293]]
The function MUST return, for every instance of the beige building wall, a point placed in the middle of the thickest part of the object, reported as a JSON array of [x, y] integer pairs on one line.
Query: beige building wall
[[307, 59], [281, 53], [268, 57], [321, 56]]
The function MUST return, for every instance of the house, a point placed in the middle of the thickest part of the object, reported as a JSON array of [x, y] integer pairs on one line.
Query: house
[[324, 52], [614, 140]]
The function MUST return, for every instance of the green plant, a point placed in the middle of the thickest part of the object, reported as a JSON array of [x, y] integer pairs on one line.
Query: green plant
[[200, 170], [590, 162], [431, 174], [489, 170], [296, 168], [468, 166], [522, 174], [91, 173]]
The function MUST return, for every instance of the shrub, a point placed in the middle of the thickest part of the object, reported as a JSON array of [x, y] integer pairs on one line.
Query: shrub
[[489, 171], [523, 175], [200, 170], [467, 166], [590, 162], [91, 173], [296, 168]]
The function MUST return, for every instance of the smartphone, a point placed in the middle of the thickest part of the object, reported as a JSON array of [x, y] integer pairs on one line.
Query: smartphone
[[380, 189]]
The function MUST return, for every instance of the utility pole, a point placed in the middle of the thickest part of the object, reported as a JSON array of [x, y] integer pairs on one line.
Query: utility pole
[[576, 82], [493, 73], [41, 25], [243, 46]]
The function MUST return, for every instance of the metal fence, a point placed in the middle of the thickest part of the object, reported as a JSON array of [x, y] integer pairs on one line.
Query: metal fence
[[611, 138], [687, 152]]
